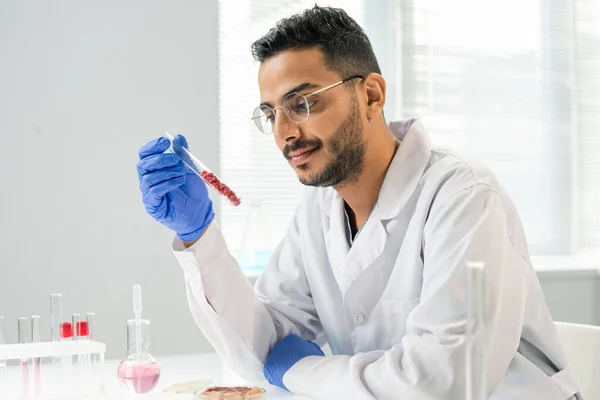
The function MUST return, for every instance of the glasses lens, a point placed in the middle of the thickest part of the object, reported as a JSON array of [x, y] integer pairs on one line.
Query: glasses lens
[[296, 107], [263, 118]]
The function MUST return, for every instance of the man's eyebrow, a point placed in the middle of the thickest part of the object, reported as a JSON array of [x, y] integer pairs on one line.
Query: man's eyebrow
[[299, 88]]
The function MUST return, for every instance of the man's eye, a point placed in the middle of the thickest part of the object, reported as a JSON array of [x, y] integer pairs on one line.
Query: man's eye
[[304, 107]]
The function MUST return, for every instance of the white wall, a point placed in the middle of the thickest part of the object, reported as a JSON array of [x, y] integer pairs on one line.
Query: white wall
[[573, 296], [82, 86]]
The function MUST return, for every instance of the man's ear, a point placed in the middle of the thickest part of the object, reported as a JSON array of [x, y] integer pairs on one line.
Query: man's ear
[[375, 88]]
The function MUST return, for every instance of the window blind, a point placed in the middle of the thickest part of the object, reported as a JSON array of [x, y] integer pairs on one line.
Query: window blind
[[516, 85]]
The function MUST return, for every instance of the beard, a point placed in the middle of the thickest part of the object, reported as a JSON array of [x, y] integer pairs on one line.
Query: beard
[[347, 150]]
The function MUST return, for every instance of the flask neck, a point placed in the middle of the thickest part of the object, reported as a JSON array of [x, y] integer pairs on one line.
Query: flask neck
[[133, 337]]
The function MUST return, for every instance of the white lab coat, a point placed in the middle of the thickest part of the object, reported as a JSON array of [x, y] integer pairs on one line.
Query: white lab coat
[[392, 306]]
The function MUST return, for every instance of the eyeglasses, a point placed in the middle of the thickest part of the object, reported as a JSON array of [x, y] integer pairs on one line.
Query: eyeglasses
[[295, 105]]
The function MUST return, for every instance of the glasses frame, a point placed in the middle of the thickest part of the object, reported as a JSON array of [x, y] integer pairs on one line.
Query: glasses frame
[[305, 96]]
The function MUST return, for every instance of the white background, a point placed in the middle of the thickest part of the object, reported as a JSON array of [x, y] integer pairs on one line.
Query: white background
[[82, 86]]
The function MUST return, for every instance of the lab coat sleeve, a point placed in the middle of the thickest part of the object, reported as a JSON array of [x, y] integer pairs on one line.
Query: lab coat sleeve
[[244, 324], [429, 361]]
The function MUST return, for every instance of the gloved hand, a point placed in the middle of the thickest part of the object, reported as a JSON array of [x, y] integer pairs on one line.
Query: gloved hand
[[287, 352], [173, 194]]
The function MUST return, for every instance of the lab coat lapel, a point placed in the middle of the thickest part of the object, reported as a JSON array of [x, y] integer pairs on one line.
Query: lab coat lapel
[[401, 181], [366, 248], [337, 243]]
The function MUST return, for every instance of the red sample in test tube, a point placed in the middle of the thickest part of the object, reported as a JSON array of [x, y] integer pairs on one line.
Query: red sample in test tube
[[220, 187], [196, 166], [83, 329], [66, 330]]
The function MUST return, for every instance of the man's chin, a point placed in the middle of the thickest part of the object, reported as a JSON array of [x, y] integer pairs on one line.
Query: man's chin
[[312, 179], [306, 176]]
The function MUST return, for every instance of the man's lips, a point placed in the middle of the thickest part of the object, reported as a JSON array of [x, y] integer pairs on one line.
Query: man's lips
[[301, 156]]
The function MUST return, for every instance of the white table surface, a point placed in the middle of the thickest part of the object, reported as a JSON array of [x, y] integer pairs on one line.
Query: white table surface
[[178, 369]]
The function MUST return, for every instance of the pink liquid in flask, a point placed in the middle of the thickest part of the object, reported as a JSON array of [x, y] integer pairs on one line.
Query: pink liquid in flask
[[137, 376], [139, 372]]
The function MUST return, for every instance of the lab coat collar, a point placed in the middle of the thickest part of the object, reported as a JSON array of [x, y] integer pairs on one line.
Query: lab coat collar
[[403, 175], [406, 169], [401, 180]]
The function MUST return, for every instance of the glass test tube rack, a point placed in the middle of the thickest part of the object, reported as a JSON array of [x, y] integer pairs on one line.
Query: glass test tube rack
[[78, 375]]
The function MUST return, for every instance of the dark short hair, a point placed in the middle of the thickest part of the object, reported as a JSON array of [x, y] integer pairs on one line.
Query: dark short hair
[[345, 45]]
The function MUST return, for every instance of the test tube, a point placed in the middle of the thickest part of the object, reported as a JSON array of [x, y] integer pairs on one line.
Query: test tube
[[91, 320], [55, 316], [3, 372], [55, 321], [475, 360], [94, 362], [66, 334], [202, 171], [75, 321], [35, 338], [83, 365], [75, 318], [24, 338]]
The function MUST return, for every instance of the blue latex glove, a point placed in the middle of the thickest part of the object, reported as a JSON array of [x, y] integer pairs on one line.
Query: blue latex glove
[[172, 194], [287, 352]]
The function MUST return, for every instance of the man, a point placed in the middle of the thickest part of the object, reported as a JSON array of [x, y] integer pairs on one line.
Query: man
[[373, 261]]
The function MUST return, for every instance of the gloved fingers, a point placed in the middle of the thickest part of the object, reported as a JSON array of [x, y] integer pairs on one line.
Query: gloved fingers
[[156, 146], [153, 178], [156, 162], [157, 191], [317, 348], [269, 373], [180, 147], [155, 207], [293, 339], [180, 139]]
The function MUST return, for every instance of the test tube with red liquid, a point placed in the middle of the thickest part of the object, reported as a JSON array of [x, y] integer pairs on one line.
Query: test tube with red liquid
[[203, 171]]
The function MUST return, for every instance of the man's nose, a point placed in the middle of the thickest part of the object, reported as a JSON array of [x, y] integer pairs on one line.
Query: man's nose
[[284, 128]]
